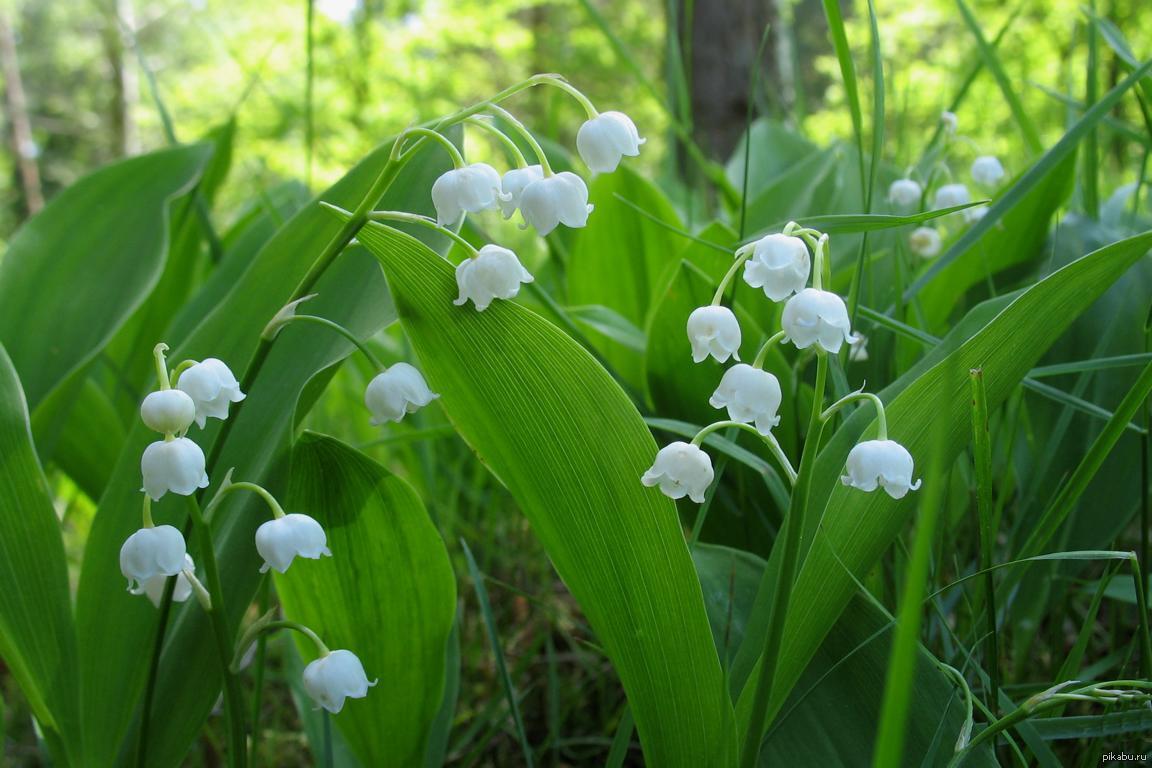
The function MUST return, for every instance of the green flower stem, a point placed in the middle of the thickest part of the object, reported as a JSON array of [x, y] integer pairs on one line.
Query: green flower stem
[[792, 531], [161, 366], [881, 419], [258, 684], [762, 355], [147, 515], [457, 158], [820, 268], [259, 490], [769, 440], [222, 634], [742, 255], [527, 134], [334, 326], [421, 221], [558, 82], [262, 627], [499, 135], [175, 375]]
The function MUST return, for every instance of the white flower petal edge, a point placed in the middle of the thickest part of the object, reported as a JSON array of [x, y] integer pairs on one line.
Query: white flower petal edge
[[880, 463], [513, 187], [396, 391], [470, 189], [335, 677], [173, 465], [212, 386], [750, 395], [681, 469], [495, 273], [555, 200], [603, 140], [780, 265], [154, 587], [281, 540], [152, 552], [714, 330], [814, 316]]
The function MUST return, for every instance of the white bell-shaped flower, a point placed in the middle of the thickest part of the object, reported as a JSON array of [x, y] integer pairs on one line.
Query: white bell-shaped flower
[[859, 351], [152, 552], [334, 677], [495, 273], [780, 265], [513, 187], [750, 395], [714, 330], [396, 391], [168, 411], [924, 242], [987, 171], [814, 316], [606, 138], [280, 540], [681, 469], [471, 189], [973, 215], [173, 465], [904, 193], [880, 463], [212, 387], [554, 200], [951, 122], [154, 587], [951, 195]]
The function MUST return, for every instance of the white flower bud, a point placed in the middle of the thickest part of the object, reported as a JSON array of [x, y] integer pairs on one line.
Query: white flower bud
[[951, 123], [780, 265], [396, 391], [876, 463], [152, 552], [604, 139], [750, 395], [212, 387], [681, 469], [859, 351], [280, 540], [973, 215], [987, 171], [714, 330], [554, 200], [924, 242], [334, 677], [173, 465], [904, 193], [154, 587], [513, 187], [168, 411], [813, 316], [473, 188], [495, 273], [951, 195]]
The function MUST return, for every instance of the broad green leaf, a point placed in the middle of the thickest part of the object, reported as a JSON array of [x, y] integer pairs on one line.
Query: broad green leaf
[[570, 447], [115, 629], [99, 249], [85, 436], [773, 150], [851, 530], [387, 594], [37, 636]]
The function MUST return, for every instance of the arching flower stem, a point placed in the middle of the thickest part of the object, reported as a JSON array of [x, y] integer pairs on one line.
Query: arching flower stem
[[334, 326], [881, 419], [457, 158], [526, 134], [228, 487], [768, 439], [420, 221], [161, 366], [147, 514], [762, 355], [266, 624], [503, 138]]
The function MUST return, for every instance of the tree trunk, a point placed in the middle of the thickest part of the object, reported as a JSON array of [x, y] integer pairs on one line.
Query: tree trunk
[[23, 146]]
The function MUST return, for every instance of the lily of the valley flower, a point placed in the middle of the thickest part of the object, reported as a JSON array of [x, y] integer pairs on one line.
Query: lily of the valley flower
[[987, 171], [154, 586], [472, 188], [334, 677], [154, 552], [714, 330], [951, 122], [780, 265], [880, 463], [859, 351], [396, 391], [904, 193], [951, 195], [814, 316], [168, 411], [750, 395], [924, 242], [280, 540], [173, 465], [513, 187], [495, 273], [554, 200], [212, 387], [681, 469], [603, 140]]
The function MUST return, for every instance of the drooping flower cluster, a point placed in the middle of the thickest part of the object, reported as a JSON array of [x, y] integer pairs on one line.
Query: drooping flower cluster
[[779, 264]]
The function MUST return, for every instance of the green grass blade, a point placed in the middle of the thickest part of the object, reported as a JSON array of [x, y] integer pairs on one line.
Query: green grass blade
[[982, 456]]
